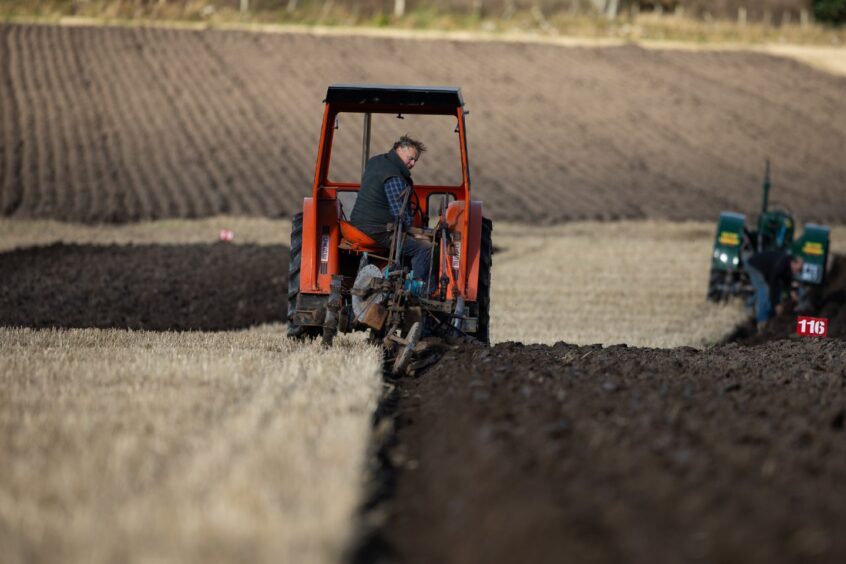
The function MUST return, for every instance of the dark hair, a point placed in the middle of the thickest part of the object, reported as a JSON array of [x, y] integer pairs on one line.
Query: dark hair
[[406, 141]]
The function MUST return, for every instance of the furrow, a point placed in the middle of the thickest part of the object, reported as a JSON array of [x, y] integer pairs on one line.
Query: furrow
[[11, 152]]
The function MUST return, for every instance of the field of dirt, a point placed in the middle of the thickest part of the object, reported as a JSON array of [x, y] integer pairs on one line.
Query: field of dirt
[[120, 124], [622, 454], [587, 454], [209, 287], [528, 404], [517, 452]]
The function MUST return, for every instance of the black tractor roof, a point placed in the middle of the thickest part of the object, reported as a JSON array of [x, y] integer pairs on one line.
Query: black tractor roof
[[431, 98]]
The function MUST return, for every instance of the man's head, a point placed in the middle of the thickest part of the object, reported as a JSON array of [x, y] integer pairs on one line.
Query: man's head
[[409, 150], [796, 264]]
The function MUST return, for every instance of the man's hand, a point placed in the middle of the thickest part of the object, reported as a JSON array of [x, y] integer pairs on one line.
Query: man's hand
[[423, 233], [779, 309]]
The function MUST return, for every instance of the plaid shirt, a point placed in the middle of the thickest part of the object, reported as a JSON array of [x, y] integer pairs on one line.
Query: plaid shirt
[[394, 187]]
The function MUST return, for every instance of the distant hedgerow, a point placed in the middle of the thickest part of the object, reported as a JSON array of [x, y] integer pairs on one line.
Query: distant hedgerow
[[830, 11]]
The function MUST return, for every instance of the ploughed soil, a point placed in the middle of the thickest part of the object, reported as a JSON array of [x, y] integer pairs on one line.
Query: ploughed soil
[[563, 453], [154, 287], [121, 124], [533, 453]]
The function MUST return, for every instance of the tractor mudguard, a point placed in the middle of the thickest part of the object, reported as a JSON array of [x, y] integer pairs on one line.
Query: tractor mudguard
[[321, 238], [728, 241], [812, 246], [474, 241], [468, 284]]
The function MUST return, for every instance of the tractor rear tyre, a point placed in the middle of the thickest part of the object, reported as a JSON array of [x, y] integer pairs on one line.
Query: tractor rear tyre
[[296, 331], [483, 295]]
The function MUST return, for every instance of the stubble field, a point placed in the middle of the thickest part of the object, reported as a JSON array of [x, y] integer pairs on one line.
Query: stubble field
[[198, 435], [176, 447]]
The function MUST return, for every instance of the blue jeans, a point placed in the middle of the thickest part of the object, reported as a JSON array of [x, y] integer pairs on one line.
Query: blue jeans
[[420, 253], [763, 303]]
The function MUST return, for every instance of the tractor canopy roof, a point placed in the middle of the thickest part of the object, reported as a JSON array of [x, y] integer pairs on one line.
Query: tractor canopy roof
[[389, 98]]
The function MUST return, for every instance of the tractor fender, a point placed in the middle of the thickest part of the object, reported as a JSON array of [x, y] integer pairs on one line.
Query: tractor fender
[[813, 247], [321, 237], [474, 242], [307, 269], [728, 241]]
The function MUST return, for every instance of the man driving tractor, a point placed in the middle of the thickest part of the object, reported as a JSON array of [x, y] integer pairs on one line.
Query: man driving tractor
[[384, 186]]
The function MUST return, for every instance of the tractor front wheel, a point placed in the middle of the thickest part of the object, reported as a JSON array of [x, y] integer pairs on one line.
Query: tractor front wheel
[[717, 285]]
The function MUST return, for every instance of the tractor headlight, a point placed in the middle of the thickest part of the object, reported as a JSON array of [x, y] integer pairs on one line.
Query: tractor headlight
[[735, 261], [724, 257]]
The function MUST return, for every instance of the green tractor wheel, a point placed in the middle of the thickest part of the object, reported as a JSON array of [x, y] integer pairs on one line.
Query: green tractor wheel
[[717, 284]]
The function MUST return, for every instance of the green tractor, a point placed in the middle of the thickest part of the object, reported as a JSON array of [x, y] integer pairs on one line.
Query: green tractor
[[734, 243]]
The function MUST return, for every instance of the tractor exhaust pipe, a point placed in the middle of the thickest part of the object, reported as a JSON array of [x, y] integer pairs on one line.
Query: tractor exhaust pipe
[[365, 143], [766, 199]]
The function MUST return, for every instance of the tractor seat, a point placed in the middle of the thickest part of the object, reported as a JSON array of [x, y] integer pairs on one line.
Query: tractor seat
[[356, 240]]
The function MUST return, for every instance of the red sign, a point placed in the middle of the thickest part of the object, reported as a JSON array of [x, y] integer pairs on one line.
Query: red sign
[[812, 326]]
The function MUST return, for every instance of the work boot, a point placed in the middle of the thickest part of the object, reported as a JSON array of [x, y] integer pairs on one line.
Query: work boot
[[761, 325]]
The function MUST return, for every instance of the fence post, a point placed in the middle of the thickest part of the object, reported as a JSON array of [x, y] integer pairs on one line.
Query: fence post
[[741, 15], [600, 5], [399, 8], [245, 5], [634, 10], [324, 11], [613, 7], [537, 13], [804, 17]]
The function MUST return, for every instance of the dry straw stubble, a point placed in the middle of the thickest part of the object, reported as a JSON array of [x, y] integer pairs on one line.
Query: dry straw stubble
[[639, 283], [191, 447]]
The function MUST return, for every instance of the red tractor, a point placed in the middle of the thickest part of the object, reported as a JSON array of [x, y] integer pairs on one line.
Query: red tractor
[[340, 279]]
